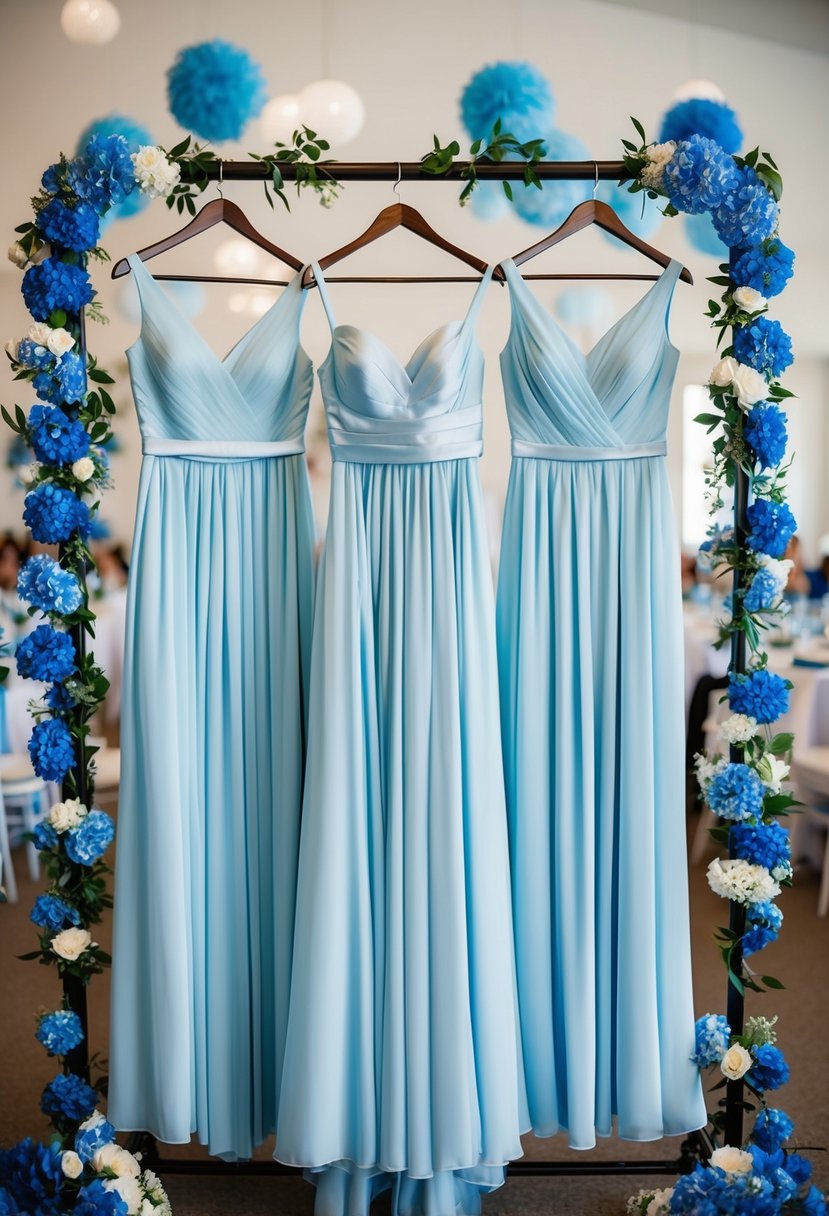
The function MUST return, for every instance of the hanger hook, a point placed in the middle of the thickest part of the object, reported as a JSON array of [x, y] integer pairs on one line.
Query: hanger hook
[[396, 186], [221, 178], [596, 181]]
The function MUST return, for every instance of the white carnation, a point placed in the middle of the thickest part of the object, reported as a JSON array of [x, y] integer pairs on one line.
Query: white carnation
[[71, 1164], [39, 333], [60, 341], [130, 1191], [749, 300], [83, 468], [736, 1062], [11, 348], [734, 878], [118, 1160], [155, 174], [747, 385], [739, 728], [659, 155], [71, 943], [18, 255], [732, 1160], [64, 816], [773, 771]]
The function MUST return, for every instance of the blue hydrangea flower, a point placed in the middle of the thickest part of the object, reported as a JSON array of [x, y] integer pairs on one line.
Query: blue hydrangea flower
[[766, 432], [710, 1191], [59, 699], [94, 1136], [74, 228], [51, 912], [60, 1032], [44, 836], [51, 749], [761, 695], [68, 1096], [30, 354], [43, 583], [103, 174], [814, 1203], [95, 1200], [698, 175], [736, 792], [763, 593], [763, 844], [712, 1038], [517, 93], [54, 284], [764, 345], [47, 388], [771, 527], [46, 654], [215, 89], [767, 267], [8, 1206], [137, 136], [701, 116], [772, 1128], [769, 1070], [548, 207], [31, 1173], [71, 375], [799, 1168], [55, 437], [90, 839], [747, 213], [53, 514]]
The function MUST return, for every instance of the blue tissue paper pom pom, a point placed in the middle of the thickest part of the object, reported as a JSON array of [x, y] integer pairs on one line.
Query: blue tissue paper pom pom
[[214, 89], [767, 267], [551, 205], [516, 93], [701, 116], [636, 211], [702, 236]]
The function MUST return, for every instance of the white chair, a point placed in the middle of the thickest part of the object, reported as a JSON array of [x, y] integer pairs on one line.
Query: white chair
[[23, 804]]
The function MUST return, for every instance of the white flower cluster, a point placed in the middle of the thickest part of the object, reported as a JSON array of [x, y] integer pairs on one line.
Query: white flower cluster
[[736, 1062], [650, 1202], [659, 155], [72, 943], [732, 1160], [17, 254], [761, 1030], [156, 175], [57, 341], [706, 770], [773, 771], [65, 816], [734, 878], [747, 385], [778, 568], [749, 300], [739, 728], [142, 1193]]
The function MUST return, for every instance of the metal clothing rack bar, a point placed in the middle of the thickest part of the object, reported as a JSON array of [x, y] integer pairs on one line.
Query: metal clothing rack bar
[[697, 1145]]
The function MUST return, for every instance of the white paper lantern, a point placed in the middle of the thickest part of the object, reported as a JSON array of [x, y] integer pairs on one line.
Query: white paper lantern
[[92, 21], [699, 90], [280, 118], [237, 258], [333, 109]]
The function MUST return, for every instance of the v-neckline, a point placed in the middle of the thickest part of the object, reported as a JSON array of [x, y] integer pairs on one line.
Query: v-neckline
[[225, 362], [555, 327]]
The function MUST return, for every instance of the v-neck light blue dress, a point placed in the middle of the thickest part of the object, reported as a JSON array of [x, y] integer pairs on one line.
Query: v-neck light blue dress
[[213, 728], [402, 1065], [591, 669]]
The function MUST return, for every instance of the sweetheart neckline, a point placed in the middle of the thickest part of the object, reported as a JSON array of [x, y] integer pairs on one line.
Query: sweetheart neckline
[[336, 330]]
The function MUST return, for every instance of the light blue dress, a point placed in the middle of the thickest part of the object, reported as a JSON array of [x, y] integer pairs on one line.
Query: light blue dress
[[213, 728], [591, 669], [402, 1065]]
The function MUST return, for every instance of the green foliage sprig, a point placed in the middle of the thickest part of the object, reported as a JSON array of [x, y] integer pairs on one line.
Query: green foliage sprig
[[304, 152], [501, 146]]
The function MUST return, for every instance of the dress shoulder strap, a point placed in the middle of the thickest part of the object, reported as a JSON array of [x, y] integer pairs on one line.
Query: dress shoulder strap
[[475, 306], [324, 296]]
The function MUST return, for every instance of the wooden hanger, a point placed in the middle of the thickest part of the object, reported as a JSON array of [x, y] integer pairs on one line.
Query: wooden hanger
[[397, 215], [594, 211], [219, 211]]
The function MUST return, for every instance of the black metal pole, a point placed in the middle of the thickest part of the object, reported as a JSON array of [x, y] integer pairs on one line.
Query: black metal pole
[[412, 170]]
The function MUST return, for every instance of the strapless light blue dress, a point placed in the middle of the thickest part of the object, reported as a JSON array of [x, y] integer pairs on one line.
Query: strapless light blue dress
[[213, 728], [591, 669], [402, 1065]]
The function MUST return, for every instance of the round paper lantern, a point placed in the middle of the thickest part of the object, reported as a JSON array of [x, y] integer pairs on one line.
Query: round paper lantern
[[333, 109], [90, 21], [280, 118], [694, 90]]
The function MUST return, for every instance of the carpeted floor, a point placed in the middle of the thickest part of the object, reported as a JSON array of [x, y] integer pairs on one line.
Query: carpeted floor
[[800, 960]]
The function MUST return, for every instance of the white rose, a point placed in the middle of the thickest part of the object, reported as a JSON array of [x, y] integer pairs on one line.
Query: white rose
[[773, 771], [18, 255], [735, 1064], [659, 156], [41, 254], [118, 1160], [83, 468], [747, 385], [60, 341], [733, 1160], [749, 300], [130, 1191], [39, 333], [71, 1164], [64, 816], [739, 728], [11, 348], [71, 943], [155, 175]]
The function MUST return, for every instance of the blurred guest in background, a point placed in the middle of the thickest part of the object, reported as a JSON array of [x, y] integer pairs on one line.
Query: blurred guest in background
[[818, 579]]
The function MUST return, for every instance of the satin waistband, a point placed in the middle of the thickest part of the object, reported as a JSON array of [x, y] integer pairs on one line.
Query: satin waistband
[[566, 451], [457, 435], [223, 449]]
